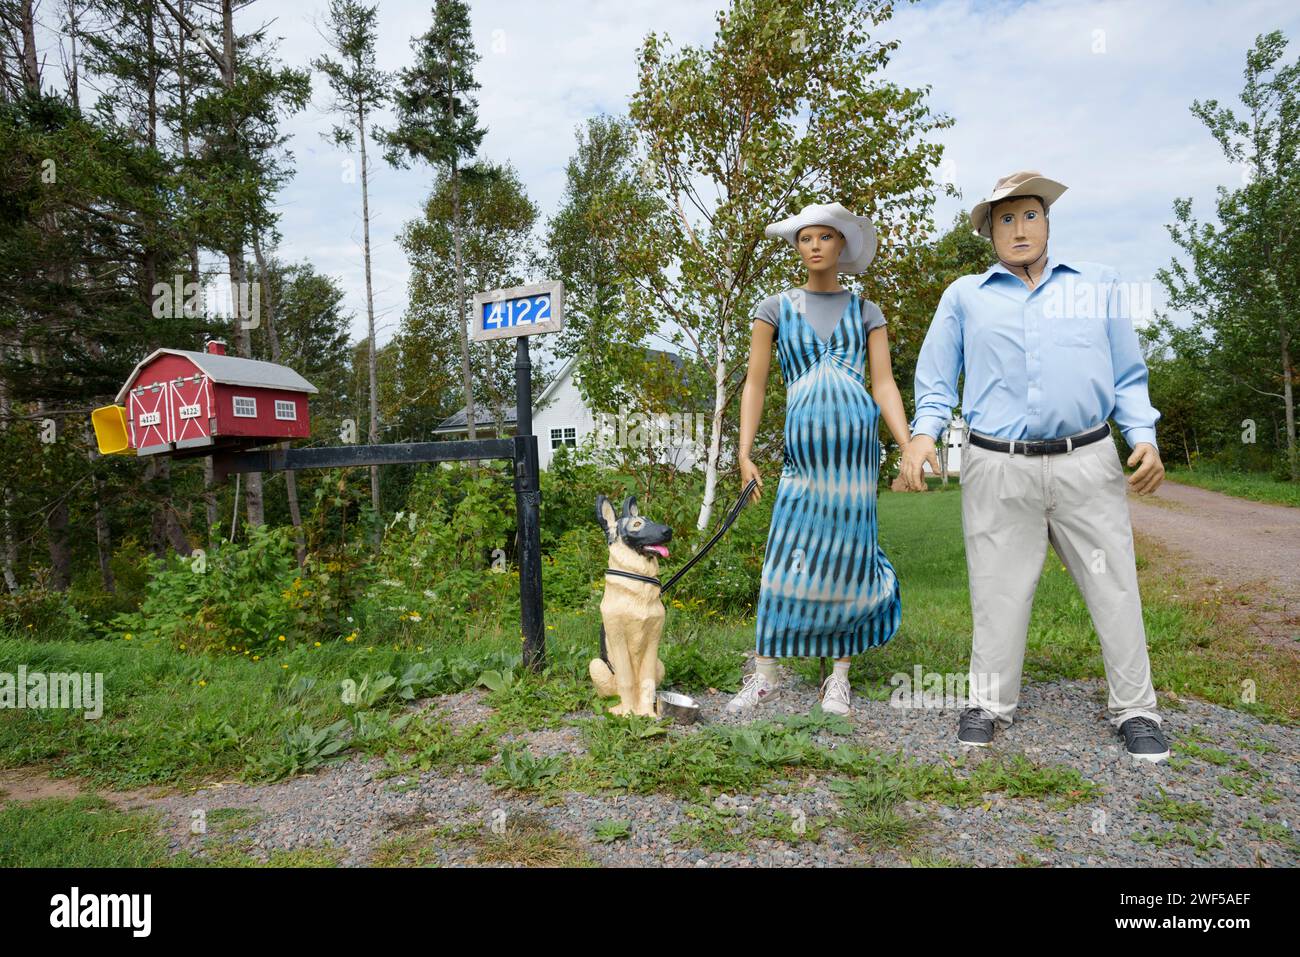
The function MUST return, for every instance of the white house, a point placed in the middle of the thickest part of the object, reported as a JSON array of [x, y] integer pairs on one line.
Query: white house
[[561, 417]]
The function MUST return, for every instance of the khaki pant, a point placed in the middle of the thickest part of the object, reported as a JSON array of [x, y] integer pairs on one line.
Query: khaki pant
[[1011, 507]]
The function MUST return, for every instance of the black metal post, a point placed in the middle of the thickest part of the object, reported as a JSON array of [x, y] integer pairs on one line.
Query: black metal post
[[527, 510]]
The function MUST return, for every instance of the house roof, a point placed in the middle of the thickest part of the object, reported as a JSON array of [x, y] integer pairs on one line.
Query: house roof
[[484, 417], [228, 370], [459, 420]]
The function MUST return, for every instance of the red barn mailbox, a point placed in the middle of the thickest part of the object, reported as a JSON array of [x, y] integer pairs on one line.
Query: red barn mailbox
[[187, 403]]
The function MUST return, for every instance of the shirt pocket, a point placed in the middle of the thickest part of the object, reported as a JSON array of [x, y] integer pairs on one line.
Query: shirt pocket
[[1075, 331]]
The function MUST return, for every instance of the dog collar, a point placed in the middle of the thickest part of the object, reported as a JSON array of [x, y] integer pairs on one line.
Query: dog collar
[[642, 578]]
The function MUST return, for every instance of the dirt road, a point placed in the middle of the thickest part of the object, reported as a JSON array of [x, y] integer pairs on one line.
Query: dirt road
[[1235, 545]]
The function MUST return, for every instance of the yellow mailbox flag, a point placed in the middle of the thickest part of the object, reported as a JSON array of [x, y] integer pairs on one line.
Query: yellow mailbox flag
[[110, 429]]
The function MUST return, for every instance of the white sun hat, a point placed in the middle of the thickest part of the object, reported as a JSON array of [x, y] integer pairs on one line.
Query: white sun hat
[[859, 234], [1027, 182]]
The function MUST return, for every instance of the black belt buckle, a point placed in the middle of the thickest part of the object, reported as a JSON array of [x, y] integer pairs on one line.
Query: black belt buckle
[[1039, 446]]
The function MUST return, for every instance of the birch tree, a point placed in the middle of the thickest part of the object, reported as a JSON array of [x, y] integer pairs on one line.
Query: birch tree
[[786, 106]]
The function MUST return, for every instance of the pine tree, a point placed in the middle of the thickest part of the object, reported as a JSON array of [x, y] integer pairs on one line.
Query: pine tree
[[438, 124]]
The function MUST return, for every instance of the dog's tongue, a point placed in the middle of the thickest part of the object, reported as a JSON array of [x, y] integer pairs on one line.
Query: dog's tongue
[[659, 550]]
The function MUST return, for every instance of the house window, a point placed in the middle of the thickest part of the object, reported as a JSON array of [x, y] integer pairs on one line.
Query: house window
[[286, 411], [567, 436], [245, 407]]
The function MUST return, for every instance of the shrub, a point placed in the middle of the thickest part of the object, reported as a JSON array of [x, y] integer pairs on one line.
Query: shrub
[[240, 595], [42, 615]]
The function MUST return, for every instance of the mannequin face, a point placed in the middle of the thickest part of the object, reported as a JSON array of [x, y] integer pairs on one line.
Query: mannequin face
[[820, 248], [1019, 230]]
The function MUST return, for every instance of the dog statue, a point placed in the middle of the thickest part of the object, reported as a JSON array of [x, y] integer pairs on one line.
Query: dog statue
[[632, 613]]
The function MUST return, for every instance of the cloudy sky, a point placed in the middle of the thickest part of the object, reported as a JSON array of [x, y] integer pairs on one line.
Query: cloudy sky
[[1095, 94]]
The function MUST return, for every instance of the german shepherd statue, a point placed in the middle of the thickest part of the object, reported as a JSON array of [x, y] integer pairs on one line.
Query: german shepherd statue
[[632, 612]]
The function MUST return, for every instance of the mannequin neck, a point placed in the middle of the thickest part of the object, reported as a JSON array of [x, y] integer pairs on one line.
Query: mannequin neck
[[823, 280]]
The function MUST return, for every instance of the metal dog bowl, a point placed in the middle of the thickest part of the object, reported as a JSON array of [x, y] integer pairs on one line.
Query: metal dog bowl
[[681, 708]]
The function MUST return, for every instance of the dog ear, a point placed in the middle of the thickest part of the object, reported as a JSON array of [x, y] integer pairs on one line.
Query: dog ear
[[629, 507], [605, 517]]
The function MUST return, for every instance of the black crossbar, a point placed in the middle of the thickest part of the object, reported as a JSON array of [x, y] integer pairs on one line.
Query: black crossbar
[[345, 456]]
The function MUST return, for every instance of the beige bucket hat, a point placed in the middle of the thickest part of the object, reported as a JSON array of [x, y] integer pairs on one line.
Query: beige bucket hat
[[859, 234], [1028, 182]]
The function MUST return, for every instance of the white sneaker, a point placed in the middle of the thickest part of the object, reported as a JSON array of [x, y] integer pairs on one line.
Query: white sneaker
[[757, 689], [835, 695]]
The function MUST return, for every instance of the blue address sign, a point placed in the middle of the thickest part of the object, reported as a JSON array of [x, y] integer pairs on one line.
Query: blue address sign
[[518, 311]]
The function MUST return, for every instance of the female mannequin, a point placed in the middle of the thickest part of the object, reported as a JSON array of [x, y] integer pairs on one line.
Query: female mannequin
[[827, 587]]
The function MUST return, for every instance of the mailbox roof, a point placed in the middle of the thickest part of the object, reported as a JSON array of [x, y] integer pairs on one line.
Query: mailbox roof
[[229, 370]]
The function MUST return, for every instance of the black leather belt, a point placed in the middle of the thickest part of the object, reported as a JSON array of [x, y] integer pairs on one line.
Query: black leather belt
[[1041, 446]]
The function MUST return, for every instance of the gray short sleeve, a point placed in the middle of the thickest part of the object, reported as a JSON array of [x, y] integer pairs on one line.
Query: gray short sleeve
[[872, 315], [769, 310]]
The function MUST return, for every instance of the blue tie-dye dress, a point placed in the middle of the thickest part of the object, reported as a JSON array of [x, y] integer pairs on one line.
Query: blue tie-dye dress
[[827, 587]]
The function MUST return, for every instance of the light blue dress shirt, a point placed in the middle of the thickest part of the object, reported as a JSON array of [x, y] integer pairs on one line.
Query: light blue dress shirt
[[1039, 364]]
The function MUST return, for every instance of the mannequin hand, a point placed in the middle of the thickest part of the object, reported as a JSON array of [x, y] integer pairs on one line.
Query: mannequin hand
[[917, 452], [748, 470], [1150, 472]]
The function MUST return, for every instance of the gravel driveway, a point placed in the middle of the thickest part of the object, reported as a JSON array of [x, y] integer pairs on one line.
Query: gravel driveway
[[1229, 798], [1233, 543]]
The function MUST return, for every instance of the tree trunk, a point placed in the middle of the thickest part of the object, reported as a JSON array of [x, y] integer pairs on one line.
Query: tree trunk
[[9, 547], [210, 513], [235, 259], [27, 26], [1288, 375], [466, 379], [244, 348], [715, 435], [56, 526], [74, 86], [290, 477], [370, 310], [103, 536], [460, 270]]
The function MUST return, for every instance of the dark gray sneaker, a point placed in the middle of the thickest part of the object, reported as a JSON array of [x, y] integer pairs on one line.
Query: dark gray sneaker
[[1143, 740], [975, 728]]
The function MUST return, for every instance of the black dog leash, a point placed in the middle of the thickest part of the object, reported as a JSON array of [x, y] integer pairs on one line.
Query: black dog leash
[[730, 520]]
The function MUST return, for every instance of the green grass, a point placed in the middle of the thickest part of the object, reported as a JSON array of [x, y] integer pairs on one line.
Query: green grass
[[1274, 832], [89, 831], [1201, 841], [175, 718], [84, 831], [1176, 812], [1255, 486]]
